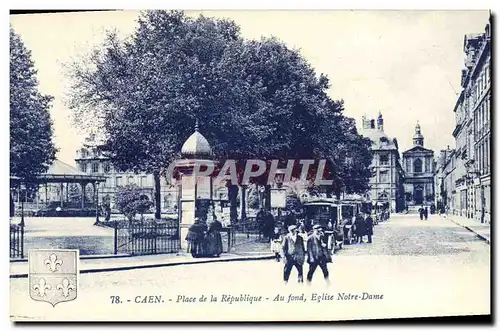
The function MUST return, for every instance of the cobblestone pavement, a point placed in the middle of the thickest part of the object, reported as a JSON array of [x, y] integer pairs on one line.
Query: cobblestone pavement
[[413, 268]]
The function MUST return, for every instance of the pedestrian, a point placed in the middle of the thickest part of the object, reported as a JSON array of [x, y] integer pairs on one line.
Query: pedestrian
[[317, 254], [421, 212], [196, 238], [426, 213], [330, 236], [293, 251], [290, 219], [360, 228], [369, 227], [260, 217], [214, 239], [276, 244], [268, 225]]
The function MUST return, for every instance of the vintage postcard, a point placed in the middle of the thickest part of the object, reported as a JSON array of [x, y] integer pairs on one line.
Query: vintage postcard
[[250, 165]]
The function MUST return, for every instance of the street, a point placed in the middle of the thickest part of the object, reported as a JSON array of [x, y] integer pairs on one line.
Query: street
[[413, 268]]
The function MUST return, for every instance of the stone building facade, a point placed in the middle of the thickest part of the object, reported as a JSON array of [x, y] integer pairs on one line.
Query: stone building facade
[[472, 133], [386, 183], [418, 165], [89, 159], [445, 181]]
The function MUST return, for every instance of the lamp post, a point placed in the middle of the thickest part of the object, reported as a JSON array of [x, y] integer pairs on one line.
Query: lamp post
[[96, 202], [23, 188]]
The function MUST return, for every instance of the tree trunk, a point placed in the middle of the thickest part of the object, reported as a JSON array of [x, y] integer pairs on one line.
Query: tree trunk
[[12, 205], [243, 204], [156, 177], [233, 200], [267, 198]]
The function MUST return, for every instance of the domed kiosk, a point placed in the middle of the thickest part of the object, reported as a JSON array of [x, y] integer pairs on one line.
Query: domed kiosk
[[195, 172]]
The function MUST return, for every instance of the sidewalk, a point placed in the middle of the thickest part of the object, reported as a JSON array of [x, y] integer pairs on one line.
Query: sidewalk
[[250, 250], [20, 269], [483, 231]]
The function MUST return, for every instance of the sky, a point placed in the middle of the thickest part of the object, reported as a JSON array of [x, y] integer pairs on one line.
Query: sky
[[405, 64]]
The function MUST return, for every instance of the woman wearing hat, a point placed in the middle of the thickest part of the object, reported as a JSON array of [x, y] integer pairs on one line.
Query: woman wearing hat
[[196, 238], [293, 250]]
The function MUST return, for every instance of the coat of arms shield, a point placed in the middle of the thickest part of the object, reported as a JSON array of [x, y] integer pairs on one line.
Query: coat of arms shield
[[53, 275]]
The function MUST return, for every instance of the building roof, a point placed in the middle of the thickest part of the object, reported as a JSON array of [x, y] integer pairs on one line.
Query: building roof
[[61, 172], [415, 149], [196, 146], [380, 141]]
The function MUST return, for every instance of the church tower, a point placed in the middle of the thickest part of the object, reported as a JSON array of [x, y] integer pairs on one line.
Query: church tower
[[418, 138]]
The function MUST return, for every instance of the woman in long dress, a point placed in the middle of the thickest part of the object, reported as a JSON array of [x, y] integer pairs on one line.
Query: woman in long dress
[[214, 239], [196, 238]]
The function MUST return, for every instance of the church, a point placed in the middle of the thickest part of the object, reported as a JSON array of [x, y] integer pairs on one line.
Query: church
[[418, 164]]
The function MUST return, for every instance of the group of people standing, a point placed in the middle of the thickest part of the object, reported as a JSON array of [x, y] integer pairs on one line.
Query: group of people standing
[[205, 240], [424, 212], [360, 226]]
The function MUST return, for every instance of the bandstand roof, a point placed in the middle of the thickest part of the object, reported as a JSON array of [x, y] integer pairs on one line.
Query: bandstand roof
[[61, 172]]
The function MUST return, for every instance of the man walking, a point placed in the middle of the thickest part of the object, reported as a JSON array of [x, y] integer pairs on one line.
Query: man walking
[[317, 254], [369, 227], [293, 250]]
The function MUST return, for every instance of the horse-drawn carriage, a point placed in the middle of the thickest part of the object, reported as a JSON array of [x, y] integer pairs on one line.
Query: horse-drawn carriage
[[336, 218]]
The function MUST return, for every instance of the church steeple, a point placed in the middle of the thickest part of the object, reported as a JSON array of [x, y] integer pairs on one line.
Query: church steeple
[[418, 138]]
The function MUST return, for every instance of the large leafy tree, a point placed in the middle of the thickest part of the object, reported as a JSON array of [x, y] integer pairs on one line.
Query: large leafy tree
[[149, 90], [254, 99], [32, 149]]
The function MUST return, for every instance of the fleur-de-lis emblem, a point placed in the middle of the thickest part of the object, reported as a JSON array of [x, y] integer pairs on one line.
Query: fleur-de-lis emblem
[[42, 287], [52, 262], [66, 287]]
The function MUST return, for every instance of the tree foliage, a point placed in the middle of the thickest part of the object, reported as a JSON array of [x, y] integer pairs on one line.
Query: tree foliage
[[130, 201], [254, 99], [31, 147]]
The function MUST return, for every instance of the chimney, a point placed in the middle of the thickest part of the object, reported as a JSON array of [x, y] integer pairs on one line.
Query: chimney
[[365, 123], [380, 122]]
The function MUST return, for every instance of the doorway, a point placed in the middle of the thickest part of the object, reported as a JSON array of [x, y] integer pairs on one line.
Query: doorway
[[418, 193]]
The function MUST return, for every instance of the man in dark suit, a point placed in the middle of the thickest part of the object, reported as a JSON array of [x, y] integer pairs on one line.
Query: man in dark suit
[[369, 227], [317, 254], [294, 252]]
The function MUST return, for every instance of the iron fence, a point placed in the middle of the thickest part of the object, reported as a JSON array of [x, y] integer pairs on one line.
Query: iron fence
[[16, 241], [136, 238]]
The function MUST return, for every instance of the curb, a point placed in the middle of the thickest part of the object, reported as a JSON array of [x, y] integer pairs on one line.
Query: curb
[[480, 236], [166, 264]]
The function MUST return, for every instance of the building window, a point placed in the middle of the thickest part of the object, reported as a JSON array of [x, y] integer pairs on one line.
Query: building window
[[384, 159], [84, 153], [427, 164], [118, 181], [384, 177], [107, 168], [95, 167], [83, 167], [130, 180], [417, 165]]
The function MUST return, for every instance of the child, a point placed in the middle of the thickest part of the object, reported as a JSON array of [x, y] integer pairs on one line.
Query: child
[[276, 243]]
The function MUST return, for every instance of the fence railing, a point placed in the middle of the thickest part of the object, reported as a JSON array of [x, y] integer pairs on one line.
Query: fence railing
[[147, 238], [16, 241]]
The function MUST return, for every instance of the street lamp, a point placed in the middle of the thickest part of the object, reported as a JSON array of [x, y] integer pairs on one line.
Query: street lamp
[[23, 188], [97, 202]]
